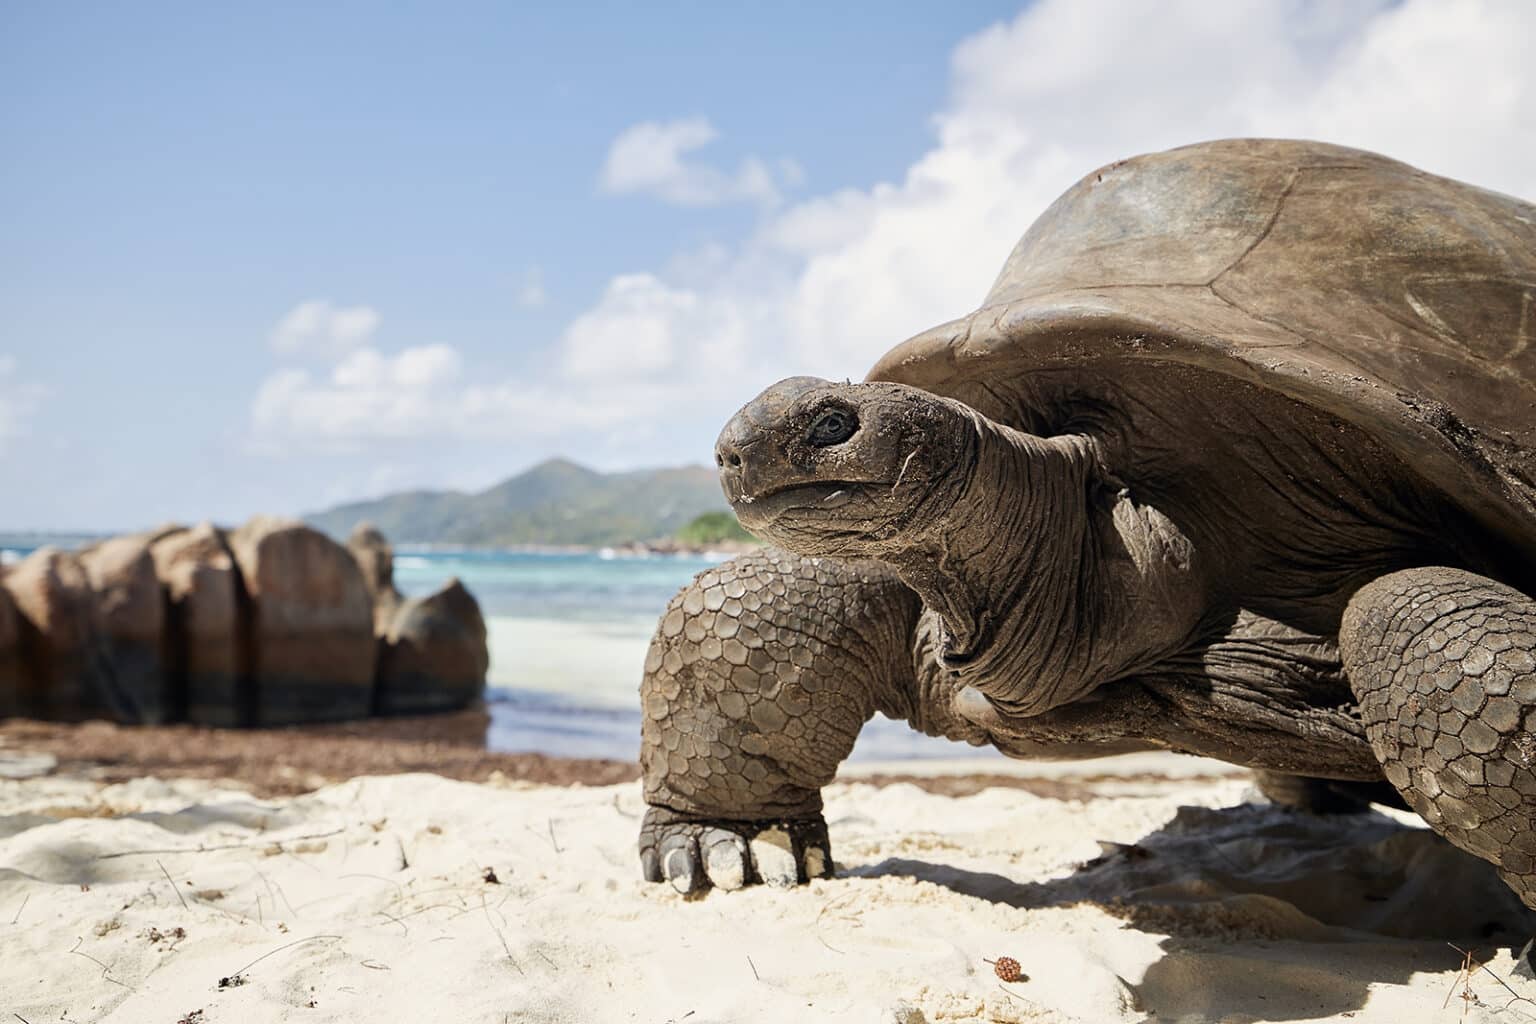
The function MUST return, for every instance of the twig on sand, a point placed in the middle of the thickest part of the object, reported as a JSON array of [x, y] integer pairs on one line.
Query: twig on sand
[[20, 1017], [1464, 975], [552, 840], [506, 948], [174, 887], [816, 925], [17, 916], [621, 810], [404, 928], [106, 972], [400, 920], [274, 891], [238, 978], [754, 969], [1468, 966], [219, 846]]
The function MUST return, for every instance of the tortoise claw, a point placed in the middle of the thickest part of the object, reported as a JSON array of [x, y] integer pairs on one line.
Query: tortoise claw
[[727, 859], [680, 862], [695, 854], [650, 865]]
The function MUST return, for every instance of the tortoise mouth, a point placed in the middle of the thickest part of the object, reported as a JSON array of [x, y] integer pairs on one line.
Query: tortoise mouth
[[818, 500]]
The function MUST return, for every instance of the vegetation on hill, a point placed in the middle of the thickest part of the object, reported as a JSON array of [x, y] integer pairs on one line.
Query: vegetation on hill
[[714, 528], [555, 503]]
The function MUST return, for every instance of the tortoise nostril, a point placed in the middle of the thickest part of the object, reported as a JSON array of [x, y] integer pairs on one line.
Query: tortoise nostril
[[729, 448]]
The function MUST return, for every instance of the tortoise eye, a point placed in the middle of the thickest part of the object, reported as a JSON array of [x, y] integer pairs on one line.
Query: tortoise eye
[[832, 427]]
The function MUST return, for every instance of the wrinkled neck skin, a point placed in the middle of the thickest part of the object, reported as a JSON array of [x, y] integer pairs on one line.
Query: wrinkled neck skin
[[1047, 582]]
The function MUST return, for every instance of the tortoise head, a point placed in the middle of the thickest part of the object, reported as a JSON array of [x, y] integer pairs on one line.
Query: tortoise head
[[844, 469]]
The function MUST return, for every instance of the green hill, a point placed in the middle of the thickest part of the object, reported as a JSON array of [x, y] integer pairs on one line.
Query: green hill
[[556, 503], [714, 528]]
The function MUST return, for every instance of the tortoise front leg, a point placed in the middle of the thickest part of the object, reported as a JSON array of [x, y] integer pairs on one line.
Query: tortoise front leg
[[759, 678], [1444, 665]]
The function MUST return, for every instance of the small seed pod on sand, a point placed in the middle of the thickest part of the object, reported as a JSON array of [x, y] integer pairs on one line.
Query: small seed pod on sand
[[1008, 969]]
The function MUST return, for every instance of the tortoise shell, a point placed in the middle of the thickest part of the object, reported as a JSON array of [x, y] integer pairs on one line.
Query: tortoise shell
[[1399, 301]]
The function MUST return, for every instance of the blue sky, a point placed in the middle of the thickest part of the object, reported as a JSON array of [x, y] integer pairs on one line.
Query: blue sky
[[273, 257]]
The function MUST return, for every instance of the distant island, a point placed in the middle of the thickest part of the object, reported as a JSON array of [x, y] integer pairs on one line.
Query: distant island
[[557, 503]]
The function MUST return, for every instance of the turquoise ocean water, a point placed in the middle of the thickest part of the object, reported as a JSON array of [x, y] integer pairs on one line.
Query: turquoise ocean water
[[568, 636]]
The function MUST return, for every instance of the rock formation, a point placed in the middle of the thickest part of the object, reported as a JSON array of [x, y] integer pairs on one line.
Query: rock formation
[[377, 561], [66, 671], [131, 615], [433, 656], [207, 647], [272, 623], [432, 650], [10, 654], [312, 624]]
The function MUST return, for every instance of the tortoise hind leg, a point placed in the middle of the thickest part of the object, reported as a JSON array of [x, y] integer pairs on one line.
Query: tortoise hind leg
[[1443, 663]]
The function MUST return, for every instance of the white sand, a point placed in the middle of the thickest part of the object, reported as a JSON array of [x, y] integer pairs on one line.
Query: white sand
[[366, 902]]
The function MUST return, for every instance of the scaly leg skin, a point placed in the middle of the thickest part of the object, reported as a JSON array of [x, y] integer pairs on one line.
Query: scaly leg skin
[[1444, 665], [758, 680]]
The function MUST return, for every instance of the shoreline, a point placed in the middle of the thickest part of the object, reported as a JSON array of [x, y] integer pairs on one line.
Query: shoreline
[[301, 759], [295, 759]]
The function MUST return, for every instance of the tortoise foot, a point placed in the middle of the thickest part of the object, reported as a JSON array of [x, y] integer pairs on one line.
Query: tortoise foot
[[695, 854]]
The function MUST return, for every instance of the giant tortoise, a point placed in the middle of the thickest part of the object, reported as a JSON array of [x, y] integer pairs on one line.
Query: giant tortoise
[[1237, 458]]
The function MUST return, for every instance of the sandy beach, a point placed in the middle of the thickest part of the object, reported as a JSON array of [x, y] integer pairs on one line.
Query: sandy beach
[[1131, 889]]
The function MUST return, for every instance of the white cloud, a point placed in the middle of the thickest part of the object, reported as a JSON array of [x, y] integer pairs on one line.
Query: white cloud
[[19, 399], [367, 396], [826, 285], [653, 158], [319, 326], [631, 330], [1447, 86], [634, 331]]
